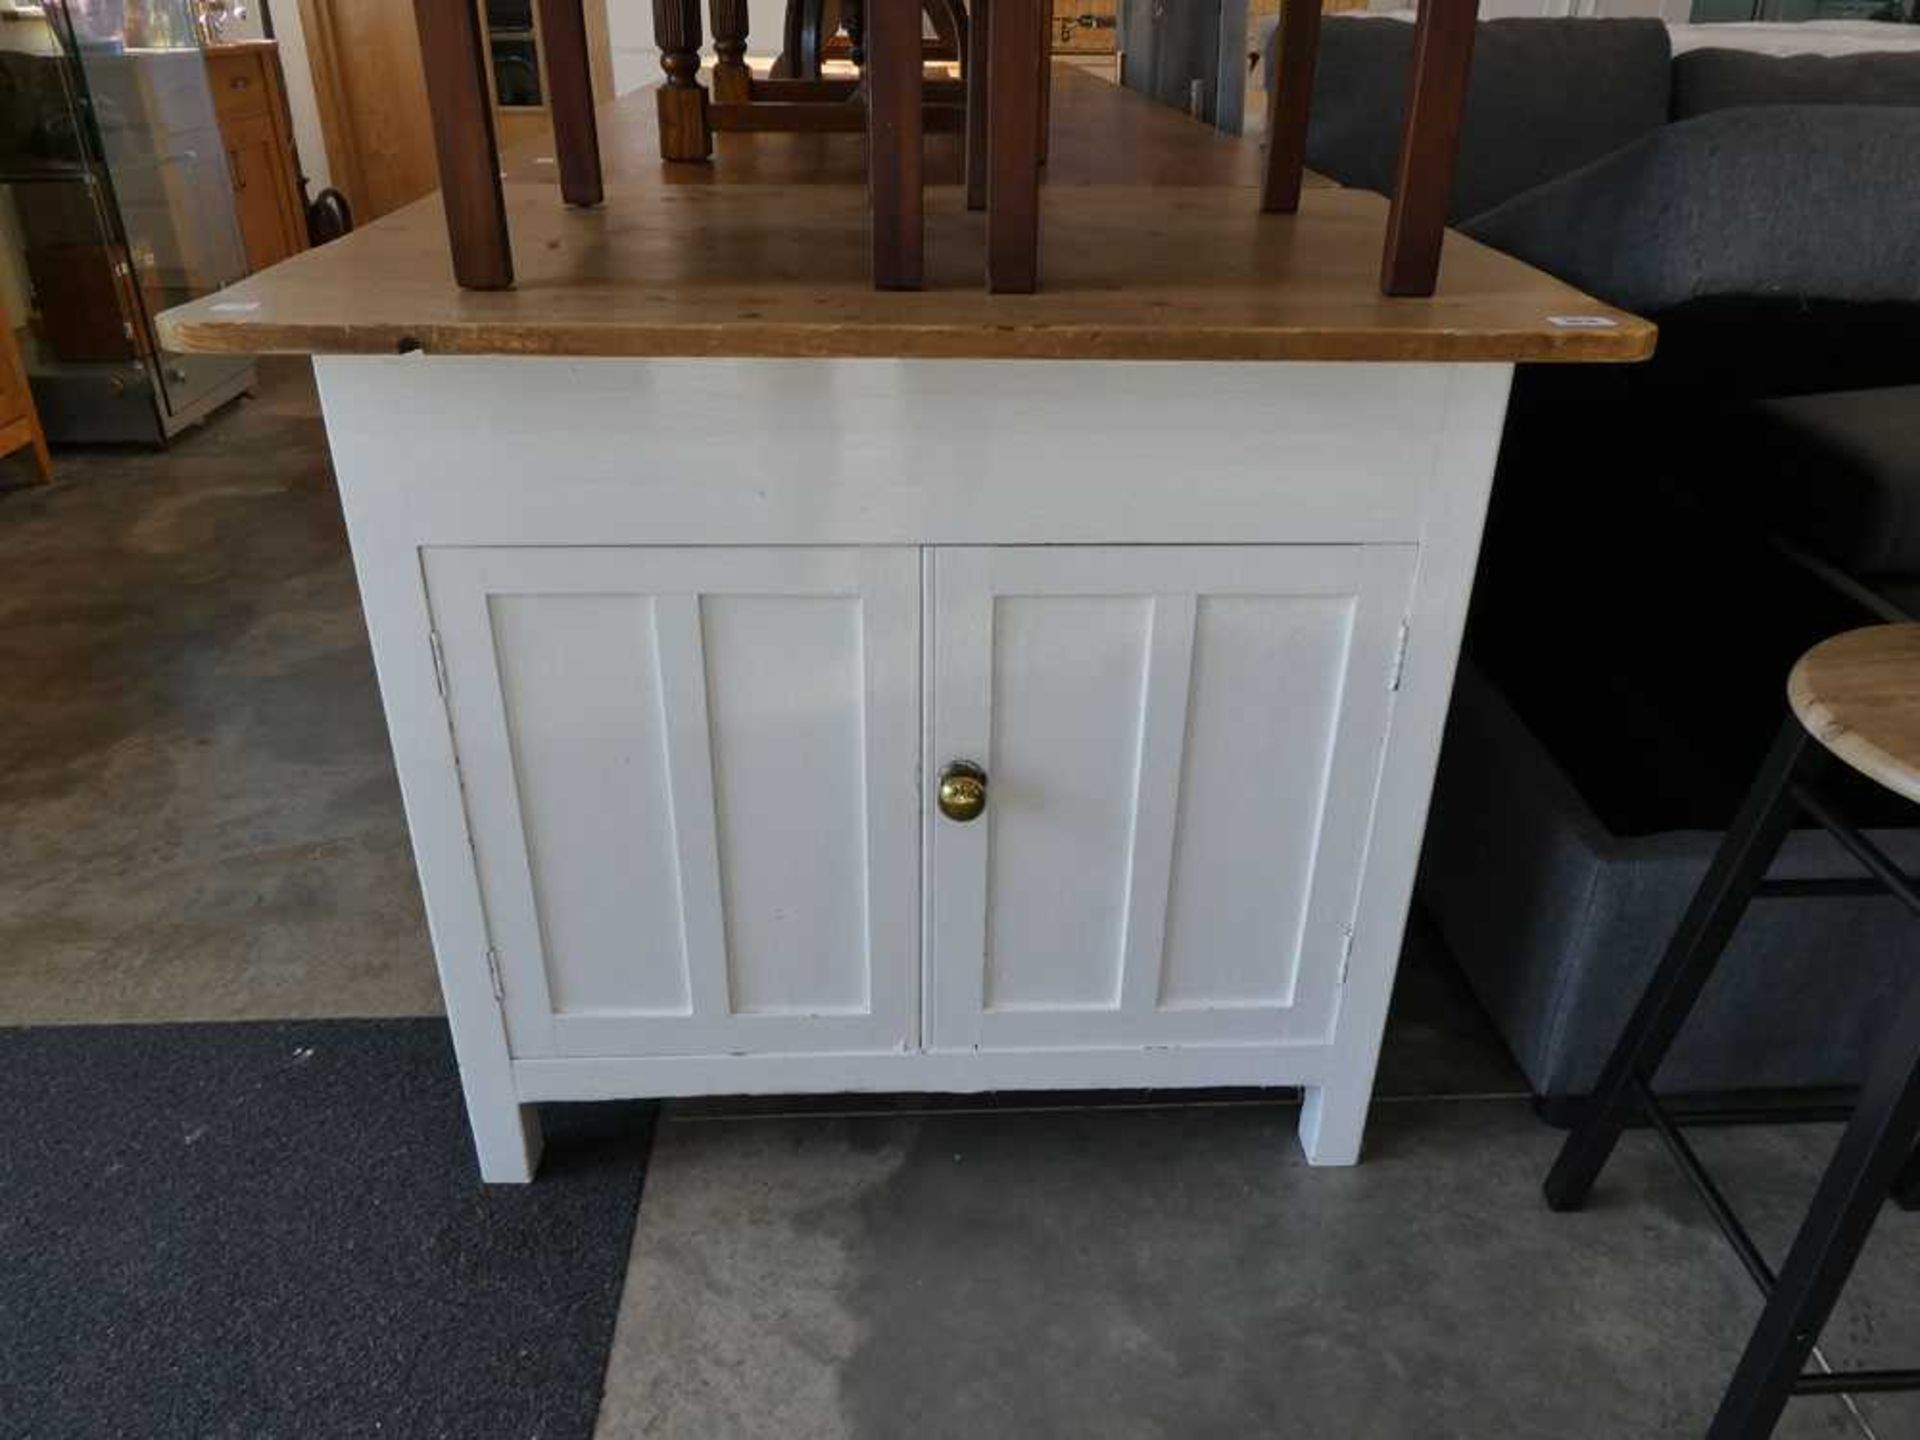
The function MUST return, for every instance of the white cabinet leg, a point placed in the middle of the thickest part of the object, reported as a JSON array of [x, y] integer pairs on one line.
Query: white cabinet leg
[[507, 1141], [1333, 1118]]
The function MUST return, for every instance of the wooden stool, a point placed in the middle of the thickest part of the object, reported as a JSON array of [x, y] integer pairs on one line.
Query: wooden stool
[[1429, 141], [1855, 699]]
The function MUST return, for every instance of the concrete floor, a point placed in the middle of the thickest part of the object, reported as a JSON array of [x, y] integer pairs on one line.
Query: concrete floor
[[201, 818], [202, 823]]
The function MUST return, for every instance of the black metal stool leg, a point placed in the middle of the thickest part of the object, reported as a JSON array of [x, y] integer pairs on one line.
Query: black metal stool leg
[[1906, 1189], [1738, 867], [1877, 1146]]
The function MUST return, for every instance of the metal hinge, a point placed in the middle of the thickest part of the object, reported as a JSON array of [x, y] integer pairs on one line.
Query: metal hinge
[[1346, 951], [1399, 656], [439, 663], [493, 973]]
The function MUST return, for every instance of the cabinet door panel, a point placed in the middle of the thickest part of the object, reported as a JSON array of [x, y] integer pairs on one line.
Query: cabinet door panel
[[689, 782], [792, 872], [1182, 746], [1254, 656], [1067, 677]]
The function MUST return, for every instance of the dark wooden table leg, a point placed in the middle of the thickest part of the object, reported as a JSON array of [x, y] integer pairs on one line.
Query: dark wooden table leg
[[894, 152], [853, 15], [979, 23], [1046, 77], [1013, 154], [732, 80], [454, 53], [1290, 106], [685, 131], [576, 139], [1429, 147]]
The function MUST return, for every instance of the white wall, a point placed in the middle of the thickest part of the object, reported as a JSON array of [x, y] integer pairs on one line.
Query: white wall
[[307, 137], [636, 59]]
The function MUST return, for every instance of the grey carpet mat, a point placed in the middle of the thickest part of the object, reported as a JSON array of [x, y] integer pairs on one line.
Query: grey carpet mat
[[278, 1230]]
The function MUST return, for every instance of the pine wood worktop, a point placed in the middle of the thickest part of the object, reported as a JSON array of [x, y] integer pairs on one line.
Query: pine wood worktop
[[1152, 248]]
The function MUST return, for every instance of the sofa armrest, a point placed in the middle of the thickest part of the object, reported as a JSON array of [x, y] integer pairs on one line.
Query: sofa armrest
[[1813, 203]]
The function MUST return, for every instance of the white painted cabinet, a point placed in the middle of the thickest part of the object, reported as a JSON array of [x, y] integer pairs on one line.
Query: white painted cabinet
[[698, 800], [1182, 746], [689, 782], [674, 655]]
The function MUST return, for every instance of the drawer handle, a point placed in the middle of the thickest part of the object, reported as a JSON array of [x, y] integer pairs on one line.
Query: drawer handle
[[963, 791]]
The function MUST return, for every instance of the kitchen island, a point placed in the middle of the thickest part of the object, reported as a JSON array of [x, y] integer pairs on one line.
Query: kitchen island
[[796, 688]]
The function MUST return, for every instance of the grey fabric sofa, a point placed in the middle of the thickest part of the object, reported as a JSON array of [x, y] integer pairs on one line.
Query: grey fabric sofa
[[1633, 623], [1558, 921]]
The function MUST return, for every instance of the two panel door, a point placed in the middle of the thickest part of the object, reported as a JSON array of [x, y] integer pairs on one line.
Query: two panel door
[[1182, 747], [699, 784], [689, 777]]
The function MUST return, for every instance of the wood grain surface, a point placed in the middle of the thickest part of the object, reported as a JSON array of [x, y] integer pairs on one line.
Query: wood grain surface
[[1155, 249], [1858, 694]]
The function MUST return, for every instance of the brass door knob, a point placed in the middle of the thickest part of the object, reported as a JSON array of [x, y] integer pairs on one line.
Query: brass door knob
[[963, 791]]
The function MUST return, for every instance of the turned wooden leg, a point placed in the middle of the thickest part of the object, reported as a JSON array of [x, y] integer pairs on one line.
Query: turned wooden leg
[[686, 133], [894, 122], [1013, 158], [979, 24], [1289, 106], [853, 15], [454, 54], [576, 139], [732, 80], [1429, 146]]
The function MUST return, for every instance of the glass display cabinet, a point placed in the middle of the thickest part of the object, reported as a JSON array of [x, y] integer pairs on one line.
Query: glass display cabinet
[[115, 204]]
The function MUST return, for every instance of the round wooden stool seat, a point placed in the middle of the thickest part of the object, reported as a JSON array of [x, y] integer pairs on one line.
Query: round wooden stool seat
[[1858, 694]]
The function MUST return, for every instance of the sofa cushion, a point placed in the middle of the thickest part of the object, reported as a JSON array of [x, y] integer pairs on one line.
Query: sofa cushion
[[1812, 202], [1708, 80], [1840, 474], [1522, 126]]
